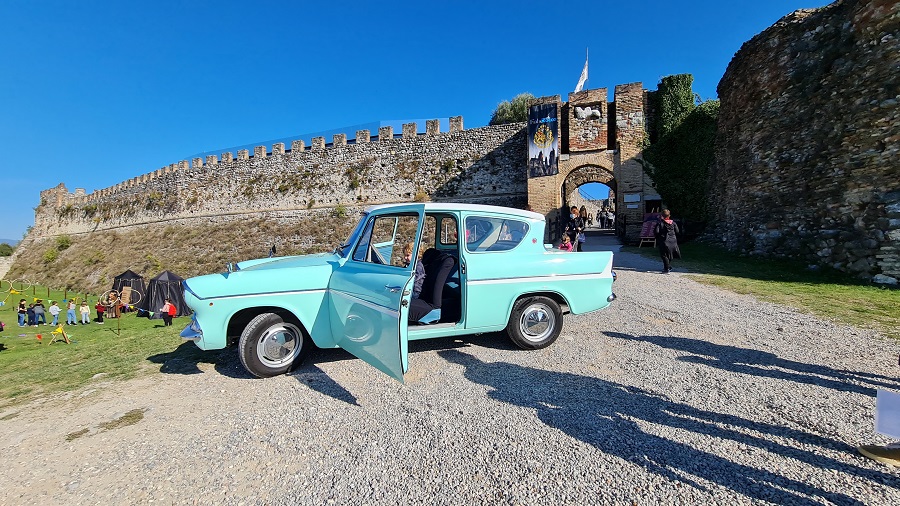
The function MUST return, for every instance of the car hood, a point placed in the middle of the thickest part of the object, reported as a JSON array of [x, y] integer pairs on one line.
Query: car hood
[[267, 276]]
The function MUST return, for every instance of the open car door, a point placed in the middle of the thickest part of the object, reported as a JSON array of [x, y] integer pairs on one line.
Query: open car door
[[370, 292]]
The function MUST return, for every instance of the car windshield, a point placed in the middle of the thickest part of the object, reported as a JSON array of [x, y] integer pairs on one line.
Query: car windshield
[[344, 248]]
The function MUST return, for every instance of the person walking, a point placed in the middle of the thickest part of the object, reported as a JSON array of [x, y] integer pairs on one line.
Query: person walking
[[583, 215], [666, 232]]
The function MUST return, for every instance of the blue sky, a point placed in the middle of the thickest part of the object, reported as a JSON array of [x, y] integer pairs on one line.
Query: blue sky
[[94, 93]]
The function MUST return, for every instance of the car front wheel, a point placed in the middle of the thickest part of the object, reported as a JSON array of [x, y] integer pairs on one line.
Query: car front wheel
[[269, 346], [535, 322]]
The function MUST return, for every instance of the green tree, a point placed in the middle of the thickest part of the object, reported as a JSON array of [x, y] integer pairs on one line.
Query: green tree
[[512, 111], [675, 100], [679, 159], [5, 250]]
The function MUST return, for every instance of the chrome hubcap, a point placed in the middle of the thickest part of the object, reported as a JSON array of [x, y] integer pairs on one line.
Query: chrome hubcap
[[279, 345], [537, 322]]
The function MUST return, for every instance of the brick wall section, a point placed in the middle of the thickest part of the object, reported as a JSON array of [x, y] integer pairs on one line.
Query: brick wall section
[[587, 131], [630, 177], [809, 141]]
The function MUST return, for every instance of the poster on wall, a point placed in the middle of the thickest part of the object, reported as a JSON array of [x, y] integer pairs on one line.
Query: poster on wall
[[543, 144]]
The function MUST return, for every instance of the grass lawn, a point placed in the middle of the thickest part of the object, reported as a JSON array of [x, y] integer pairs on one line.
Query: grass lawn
[[826, 293], [121, 348]]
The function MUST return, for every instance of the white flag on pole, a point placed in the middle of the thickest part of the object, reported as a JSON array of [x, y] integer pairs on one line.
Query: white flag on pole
[[583, 78]]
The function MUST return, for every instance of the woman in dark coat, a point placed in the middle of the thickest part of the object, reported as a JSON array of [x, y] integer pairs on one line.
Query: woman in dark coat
[[575, 227], [666, 240]]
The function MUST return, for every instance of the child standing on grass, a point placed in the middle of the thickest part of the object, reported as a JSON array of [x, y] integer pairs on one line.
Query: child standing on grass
[[23, 312], [85, 313], [54, 310], [100, 310], [70, 313]]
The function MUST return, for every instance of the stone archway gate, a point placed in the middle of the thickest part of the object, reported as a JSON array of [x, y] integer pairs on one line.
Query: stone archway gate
[[600, 142]]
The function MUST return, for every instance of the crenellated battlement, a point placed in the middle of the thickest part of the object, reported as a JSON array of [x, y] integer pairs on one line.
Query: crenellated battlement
[[60, 197], [346, 169]]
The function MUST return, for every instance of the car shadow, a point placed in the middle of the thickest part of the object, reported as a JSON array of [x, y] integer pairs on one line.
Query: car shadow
[[316, 379], [614, 418], [186, 359], [765, 364]]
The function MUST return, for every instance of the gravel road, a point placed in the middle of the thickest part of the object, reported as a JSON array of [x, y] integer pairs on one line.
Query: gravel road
[[679, 393]]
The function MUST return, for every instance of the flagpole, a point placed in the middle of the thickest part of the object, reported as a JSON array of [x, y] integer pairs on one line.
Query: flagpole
[[586, 61]]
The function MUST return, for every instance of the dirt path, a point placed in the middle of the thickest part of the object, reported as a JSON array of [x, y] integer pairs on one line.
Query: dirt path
[[678, 392]]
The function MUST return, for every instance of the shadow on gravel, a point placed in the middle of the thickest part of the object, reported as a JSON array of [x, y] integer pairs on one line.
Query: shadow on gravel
[[321, 382], [311, 375], [607, 415], [758, 363], [186, 359]]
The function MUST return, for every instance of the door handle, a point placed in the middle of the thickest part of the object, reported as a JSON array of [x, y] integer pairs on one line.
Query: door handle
[[393, 289]]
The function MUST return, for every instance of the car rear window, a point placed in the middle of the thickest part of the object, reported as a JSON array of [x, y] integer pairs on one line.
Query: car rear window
[[491, 233]]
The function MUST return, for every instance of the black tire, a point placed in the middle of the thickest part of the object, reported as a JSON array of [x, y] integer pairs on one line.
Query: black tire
[[269, 346], [535, 322]]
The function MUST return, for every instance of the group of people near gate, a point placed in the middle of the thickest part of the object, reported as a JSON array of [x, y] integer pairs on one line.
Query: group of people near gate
[[34, 314], [665, 231], [573, 236]]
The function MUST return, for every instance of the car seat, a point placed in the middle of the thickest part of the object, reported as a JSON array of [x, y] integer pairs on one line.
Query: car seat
[[427, 308]]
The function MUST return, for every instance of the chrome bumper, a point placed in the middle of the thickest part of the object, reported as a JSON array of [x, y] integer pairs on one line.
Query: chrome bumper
[[192, 332]]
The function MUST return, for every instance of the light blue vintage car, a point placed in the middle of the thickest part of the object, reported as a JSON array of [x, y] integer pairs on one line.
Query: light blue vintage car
[[364, 296]]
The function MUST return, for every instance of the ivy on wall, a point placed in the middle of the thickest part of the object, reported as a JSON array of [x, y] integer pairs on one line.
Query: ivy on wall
[[679, 158]]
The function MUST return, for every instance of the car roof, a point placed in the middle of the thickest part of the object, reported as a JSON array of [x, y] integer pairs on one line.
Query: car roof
[[458, 206]]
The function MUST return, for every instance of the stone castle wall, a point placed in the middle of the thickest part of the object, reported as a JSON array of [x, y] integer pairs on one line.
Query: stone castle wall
[[482, 165], [808, 141]]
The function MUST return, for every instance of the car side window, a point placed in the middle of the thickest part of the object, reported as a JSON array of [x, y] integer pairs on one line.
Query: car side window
[[493, 233], [384, 237], [449, 234]]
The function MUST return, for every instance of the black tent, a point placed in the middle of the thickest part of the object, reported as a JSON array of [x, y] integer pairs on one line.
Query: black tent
[[165, 286], [129, 279]]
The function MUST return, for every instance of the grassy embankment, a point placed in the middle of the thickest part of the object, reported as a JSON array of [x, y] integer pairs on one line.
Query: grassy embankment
[[125, 348], [825, 293]]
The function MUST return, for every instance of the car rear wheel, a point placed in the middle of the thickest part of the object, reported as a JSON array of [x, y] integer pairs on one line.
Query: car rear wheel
[[269, 346], [535, 322]]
